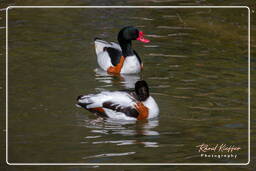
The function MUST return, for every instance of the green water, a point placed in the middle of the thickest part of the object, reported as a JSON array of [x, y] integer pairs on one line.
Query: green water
[[196, 66]]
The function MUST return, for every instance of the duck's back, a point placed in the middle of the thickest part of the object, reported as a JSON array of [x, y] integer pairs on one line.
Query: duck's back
[[108, 53]]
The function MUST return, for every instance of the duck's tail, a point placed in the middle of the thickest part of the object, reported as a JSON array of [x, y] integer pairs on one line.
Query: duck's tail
[[87, 102], [100, 45]]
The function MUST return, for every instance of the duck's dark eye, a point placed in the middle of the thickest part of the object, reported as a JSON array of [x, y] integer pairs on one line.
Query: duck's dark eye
[[135, 34]]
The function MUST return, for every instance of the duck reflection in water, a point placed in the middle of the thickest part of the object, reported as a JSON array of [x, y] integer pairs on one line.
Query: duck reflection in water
[[106, 127], [127, 81]]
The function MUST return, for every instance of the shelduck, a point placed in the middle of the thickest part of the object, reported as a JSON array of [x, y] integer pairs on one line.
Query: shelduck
[[120, 58], [134, 104]]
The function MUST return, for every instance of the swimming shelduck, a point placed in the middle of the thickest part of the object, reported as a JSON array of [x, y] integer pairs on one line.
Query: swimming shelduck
[[124, 105], [120, 58]]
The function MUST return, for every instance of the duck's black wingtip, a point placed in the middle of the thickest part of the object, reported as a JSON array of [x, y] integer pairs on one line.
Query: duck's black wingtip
[[96, 38], [79, 97]]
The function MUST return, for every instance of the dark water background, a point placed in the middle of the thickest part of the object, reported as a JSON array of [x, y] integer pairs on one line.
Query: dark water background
[[196, 66]]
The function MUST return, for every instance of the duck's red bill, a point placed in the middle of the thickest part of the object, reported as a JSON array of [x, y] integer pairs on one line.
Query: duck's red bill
[[141, 38]]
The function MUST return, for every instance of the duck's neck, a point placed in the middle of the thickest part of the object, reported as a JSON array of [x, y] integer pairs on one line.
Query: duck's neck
[[126, 47]]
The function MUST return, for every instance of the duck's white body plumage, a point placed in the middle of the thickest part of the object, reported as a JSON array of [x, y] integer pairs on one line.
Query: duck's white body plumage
[[131, 64], [120, 99]]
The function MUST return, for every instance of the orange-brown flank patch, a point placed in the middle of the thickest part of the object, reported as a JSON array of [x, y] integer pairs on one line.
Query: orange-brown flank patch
[[143, 111], [98, 109], [117, 69]]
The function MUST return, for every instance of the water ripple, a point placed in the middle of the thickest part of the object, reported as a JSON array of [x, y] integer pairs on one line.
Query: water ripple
[[89, 137], [110, 155], [151, 46], [160, 1], [215, 108], [118, 142], [155, 36], [169, 16], [165, 55], [142, 18], [175, 28], [178, 34]]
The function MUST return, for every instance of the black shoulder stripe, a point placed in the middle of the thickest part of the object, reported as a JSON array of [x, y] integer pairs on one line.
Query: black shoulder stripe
[[114, 54], [129, 111]]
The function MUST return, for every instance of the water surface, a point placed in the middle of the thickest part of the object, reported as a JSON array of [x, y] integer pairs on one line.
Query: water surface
[[195, 65]]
